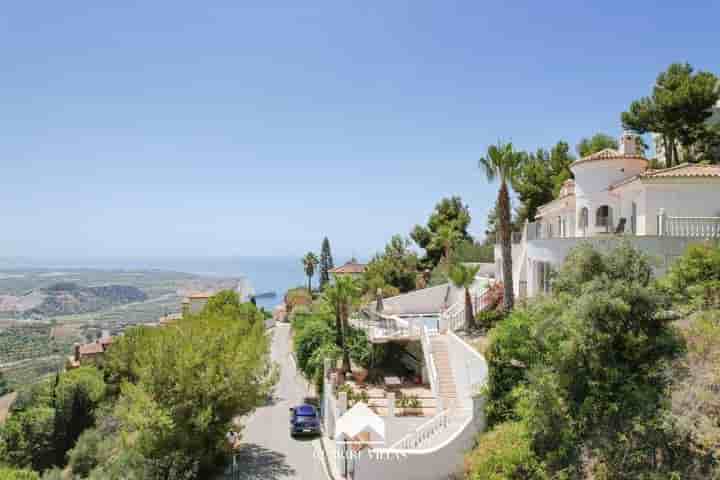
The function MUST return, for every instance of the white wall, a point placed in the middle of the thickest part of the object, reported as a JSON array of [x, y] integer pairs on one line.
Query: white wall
[[469, 369], [663, 250], [681, 199], [430, 464]]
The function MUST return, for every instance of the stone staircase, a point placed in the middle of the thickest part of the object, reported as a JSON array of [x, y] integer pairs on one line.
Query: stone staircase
[[441, 357]]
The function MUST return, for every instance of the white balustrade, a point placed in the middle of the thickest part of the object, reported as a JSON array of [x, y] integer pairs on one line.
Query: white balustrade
[[424, 432], [430, 364], [693, 227]]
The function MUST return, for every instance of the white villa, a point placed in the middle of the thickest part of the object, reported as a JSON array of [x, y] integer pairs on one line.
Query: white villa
[[615, 194]]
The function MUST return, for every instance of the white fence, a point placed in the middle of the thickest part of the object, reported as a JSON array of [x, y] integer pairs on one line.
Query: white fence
[[453, 318], [692, 227], [424, 432], [431, 368]]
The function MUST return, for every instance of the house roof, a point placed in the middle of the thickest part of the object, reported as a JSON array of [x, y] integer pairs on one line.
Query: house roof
[[349, 267], [421, 302], [200, 296], [608, 154], [684, 170], [91, 348]]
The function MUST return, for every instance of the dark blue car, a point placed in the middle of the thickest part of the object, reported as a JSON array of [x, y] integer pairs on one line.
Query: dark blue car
[[304, 420]]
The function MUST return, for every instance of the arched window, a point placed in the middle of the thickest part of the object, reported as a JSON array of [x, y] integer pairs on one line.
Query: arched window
[[602, 216], [583, 221]]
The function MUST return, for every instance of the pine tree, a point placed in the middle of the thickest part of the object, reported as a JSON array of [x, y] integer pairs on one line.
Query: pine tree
[[326, 263]]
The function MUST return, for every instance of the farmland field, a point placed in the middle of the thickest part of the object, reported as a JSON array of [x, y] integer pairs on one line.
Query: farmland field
[[35, 342]]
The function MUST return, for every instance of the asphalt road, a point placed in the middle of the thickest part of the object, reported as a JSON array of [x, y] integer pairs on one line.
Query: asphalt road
[[268, 452]]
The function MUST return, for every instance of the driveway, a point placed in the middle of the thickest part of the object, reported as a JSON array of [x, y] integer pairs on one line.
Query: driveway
[[268, 452]]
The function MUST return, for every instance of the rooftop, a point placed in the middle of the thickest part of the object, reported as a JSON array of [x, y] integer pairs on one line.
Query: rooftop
[[421, 302], [349, 267], [90, 348], [684, 170], [608, 154]]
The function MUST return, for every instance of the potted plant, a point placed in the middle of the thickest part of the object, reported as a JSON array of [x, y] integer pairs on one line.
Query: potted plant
[[360, 355]]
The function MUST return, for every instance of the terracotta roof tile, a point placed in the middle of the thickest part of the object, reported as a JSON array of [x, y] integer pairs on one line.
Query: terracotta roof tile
[[91, 348], [200, 296], [349, 267], [608, 154], [678, 171], [685, 170]]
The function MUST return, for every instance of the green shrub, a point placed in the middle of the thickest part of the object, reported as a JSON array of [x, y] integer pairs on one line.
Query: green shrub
[[487, 319], [699, 265], [7, 473], [313, 341], [504, 453]]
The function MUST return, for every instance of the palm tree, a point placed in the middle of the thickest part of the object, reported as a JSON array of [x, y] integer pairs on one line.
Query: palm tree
[[310, 261], [502, 162], [463, 277], [446, 238], [340, 298]]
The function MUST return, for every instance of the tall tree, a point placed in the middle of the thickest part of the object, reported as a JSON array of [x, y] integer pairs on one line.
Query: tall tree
[[596, 143], [310, 261], [395, 267], [326, 263], [539, 179], [502, 162], [463, 276], [449, 212], [340, 298], [677, 109]]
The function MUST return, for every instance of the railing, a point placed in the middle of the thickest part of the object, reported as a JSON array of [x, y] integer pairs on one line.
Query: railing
[[379, 327], [693, 227], [453, 318], [430, 362], [424, 432]]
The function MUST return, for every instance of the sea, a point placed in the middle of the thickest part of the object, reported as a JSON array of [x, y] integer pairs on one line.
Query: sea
[[265, 274]]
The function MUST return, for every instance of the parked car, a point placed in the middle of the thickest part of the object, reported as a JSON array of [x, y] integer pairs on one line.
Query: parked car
[[304, 420]]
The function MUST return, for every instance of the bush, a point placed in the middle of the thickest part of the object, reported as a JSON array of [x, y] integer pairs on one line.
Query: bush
[[7, 473], [487, 319], [700, 265], [314, 339], [504, 453], [586, 367], [86, 455]]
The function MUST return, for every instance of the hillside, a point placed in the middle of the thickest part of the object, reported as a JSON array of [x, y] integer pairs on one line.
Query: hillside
[[67, 298]]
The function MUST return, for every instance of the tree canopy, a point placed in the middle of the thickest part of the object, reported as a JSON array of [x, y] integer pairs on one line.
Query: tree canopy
[[584, 372], [449, 214], [677, 109], [596, 143], [326, 263], [394, 270], [539, 179]]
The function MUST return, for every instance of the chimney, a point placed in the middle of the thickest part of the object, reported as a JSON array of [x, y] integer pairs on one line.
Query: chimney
[[76, 349], [628, 143]]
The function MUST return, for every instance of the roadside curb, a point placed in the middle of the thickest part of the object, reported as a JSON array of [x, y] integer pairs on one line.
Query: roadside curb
[[325, 461]]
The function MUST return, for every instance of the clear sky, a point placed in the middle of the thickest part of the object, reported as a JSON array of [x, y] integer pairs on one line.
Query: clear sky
[[225, 128]]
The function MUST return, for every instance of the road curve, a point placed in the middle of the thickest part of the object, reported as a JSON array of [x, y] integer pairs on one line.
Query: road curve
[[268, 452]]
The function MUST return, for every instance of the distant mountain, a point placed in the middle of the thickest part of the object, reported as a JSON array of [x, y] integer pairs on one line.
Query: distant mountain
[[67, 298]]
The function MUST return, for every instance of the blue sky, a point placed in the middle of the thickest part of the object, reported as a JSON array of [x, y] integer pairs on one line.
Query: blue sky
[[227, 128]]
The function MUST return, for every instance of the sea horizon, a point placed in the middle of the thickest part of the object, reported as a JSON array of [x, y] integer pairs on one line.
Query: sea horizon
[[265, 273]]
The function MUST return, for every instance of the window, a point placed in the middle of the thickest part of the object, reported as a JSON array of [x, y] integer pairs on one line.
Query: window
[[602, 217], [633, 219]]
